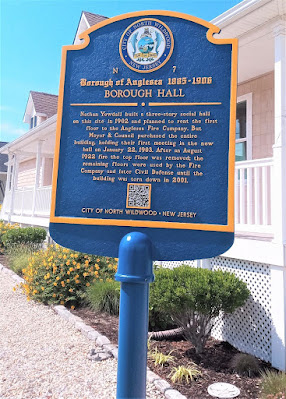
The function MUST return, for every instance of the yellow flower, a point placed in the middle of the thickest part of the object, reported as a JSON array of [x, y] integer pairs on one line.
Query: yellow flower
[[14, 289], [71, 269], [96, 266], [64, 256], [54, 295], [78, 267], [68, 262], [55, 284], [43, 289], [87, 284], [77, 281], [68, 280], [71, 290], [72, 307], [62, 302], [68, 272], [57, 278]]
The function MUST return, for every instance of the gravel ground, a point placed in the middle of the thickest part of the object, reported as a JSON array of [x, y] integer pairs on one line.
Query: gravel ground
[[43, 357]]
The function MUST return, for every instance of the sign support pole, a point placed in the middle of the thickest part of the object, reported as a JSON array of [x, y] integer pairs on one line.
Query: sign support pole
[[135, 273]]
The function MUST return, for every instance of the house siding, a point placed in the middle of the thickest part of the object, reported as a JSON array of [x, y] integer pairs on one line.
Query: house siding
[[262, 89], [27, 173]]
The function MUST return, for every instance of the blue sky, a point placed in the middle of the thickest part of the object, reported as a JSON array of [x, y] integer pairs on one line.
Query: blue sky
[[33, 32]]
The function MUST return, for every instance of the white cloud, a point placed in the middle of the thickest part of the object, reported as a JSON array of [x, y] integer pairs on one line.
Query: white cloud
[[9, 132]]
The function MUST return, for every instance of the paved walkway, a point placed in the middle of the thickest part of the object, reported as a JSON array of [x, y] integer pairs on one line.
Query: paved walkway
[[43, 357]]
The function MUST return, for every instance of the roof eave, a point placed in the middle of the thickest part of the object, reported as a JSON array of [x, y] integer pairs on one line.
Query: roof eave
[[237, 12], [36, 131]]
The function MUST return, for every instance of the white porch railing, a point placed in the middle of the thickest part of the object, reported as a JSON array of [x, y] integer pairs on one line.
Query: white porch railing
[[253, 181], [23, 202]]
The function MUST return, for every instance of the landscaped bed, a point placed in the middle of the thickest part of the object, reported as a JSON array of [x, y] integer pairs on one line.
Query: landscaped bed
[[184, 297], [214, 363]]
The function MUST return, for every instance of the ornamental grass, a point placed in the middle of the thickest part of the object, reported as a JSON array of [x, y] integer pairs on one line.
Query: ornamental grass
[[59, 275]]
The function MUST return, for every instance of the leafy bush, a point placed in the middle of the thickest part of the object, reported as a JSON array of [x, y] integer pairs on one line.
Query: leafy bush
[[107, 266], [245, 364], [60, 275], [104, 296], [159, 321], [273, 385], [194, 297], [4, 228], [28, 236]]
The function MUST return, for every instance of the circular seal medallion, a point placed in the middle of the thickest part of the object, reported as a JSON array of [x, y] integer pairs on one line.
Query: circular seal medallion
[[146, 45]]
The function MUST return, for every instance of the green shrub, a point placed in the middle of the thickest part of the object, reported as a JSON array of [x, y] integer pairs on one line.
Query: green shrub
[[104, 296], [59, 275], [273, 385], [28, 236], [245, 364], [194, 297], [107, 266], [4, 228]]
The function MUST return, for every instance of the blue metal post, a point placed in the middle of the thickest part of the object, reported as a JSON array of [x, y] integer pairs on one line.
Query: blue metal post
[[135, 273]]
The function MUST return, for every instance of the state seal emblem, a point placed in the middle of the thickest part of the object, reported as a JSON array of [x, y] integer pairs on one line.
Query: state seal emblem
[[146, 45]]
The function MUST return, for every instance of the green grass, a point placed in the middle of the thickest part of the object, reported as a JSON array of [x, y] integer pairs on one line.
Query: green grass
[[273, 384]]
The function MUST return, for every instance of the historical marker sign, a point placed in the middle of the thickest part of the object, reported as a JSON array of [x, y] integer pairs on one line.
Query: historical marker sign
[[145, 137]]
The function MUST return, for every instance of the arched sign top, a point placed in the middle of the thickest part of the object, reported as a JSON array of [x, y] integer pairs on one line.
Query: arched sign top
[[146, 136], [212, 29]]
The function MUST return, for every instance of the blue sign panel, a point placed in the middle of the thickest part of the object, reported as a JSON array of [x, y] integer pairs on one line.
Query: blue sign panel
[[145, 137]]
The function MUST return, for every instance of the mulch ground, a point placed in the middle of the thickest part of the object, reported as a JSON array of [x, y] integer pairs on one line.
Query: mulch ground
[[214, 363]]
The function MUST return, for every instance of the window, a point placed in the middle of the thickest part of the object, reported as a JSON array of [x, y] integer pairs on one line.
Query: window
[[33, 122], [243, 128]]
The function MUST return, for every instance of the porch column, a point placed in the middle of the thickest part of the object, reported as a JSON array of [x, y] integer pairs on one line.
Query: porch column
[[279, 148], [8, 182], [14, 179], [37, 177], [278, 273]]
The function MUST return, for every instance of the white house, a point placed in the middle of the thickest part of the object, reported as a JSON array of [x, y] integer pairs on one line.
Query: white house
[[3, 172], [258, 255]]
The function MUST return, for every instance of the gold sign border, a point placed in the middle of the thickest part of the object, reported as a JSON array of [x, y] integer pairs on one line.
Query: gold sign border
[[212, 29], [166, 60]]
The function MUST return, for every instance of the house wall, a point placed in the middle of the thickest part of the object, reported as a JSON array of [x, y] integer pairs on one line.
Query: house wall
[[262, 89], [27, 173]]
